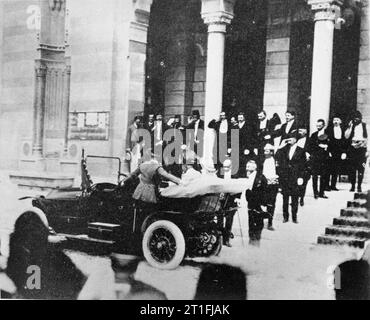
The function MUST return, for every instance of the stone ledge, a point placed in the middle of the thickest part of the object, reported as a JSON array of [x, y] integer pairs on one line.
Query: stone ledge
[[41, 180]]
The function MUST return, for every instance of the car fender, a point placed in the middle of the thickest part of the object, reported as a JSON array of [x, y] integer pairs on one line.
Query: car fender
[[39, 212], [171, 216]]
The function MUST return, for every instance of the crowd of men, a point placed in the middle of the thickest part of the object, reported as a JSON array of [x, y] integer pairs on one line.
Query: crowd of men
[[282, 157]]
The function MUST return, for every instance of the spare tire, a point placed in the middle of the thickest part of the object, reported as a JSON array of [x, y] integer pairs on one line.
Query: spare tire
[[163, 245]]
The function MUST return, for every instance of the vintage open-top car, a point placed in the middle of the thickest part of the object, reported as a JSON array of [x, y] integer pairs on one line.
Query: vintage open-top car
[[105, 215]]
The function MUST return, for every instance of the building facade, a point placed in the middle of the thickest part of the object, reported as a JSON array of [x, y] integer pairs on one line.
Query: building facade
[[75, 73]]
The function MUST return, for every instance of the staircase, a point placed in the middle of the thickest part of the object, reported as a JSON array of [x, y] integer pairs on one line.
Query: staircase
[[352, 228]]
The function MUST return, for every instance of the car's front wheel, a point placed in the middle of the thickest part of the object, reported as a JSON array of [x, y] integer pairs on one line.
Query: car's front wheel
[[164, 245]]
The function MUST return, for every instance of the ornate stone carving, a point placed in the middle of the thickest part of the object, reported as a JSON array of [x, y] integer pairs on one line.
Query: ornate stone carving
[[40, 70], [217, 18], [326, 9], [217, 14], [51, 47]]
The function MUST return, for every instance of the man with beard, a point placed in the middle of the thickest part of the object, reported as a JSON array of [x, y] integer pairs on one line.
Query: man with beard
[[291, 125], [256, 199], [195, 133], [318, 149], [264, 130], [222, 146], [247, 143], [291, 160], [338, 146], [269, 170], [357, 135]]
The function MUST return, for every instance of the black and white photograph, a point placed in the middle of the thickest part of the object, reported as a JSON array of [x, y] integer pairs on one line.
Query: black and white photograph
[[198, 151]]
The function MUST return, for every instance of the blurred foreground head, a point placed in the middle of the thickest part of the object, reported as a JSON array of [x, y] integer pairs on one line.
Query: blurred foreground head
[[221, 282]]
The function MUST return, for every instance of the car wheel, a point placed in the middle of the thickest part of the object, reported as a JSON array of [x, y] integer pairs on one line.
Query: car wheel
[[218, 246], [163, 245]]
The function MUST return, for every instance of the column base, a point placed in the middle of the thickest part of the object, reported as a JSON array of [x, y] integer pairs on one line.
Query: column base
[[35, 164]]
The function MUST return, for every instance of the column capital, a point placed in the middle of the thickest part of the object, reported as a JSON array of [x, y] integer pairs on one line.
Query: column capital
[[217, 22], [326, 9], [217, 14], [40, 69]]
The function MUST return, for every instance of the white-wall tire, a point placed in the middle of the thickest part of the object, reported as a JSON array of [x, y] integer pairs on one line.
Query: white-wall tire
[[163, 245]]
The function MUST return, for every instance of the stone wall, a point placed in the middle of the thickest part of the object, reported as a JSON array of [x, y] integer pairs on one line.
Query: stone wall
[[277, 59], [18, 34], [363, 86]]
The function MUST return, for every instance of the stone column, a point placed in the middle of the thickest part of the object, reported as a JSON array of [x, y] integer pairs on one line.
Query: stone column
[[50, 65], [67, 90], [217, 14], [325, 16], [39, 109]]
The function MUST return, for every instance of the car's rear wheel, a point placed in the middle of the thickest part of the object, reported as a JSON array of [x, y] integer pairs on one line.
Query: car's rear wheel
[[163, 245]]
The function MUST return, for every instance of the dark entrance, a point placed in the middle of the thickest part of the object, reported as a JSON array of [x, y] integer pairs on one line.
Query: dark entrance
[[300, 69], [245, 56], [345, 70], [158, 41]]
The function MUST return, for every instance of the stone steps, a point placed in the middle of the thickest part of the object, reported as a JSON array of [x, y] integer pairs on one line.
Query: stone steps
[[351, 221], [358, 203], [342, 240], [355, 212], [361, 195], [352, 228], [348, 231]]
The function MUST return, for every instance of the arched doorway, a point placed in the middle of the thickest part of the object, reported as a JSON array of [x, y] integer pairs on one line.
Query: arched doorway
[[176, 56]]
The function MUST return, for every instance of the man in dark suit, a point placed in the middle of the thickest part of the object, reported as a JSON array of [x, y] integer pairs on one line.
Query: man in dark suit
[[149, 126], [338, 147], [303, 142], [269, 170], [222, 146], [357, 135], [256, 199], [159, 129], [290, 164], [134, 142], [291, 125], [175, 129], [264, 129], [247, 143], [195, 133], [318, 149]]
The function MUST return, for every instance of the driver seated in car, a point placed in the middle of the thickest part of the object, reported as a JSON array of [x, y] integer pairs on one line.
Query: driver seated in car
[[149, 171]]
